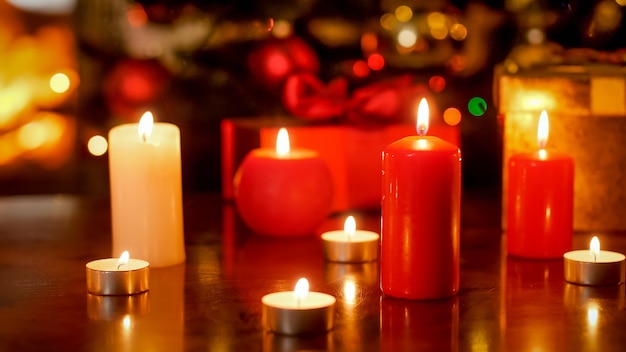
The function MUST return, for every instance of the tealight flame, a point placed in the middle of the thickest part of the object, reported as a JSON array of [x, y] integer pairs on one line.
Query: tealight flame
[[594, 247], [282, 142], [301, 290], [543, 129], [349, 226], [422, 117], [145, 126], [123, 259]]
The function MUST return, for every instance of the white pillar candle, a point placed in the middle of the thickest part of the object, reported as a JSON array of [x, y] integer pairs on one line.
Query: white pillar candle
[[350, 245], [146, 191], [298, 312], [594, 267]]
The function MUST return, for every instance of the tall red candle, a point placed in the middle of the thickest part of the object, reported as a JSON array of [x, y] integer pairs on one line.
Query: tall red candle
[[540, 201], [421, 207], [283, 192]]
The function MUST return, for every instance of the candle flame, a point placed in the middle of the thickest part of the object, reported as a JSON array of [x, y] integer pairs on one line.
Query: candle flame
[[145, 126], [301, 290], [123, 259], [349, 226], [543, 130], [282, 142], [594, 247], [422, 117]]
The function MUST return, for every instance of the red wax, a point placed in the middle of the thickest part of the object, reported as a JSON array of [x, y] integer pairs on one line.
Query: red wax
[[421, 208], [283, 195], [540, 204]]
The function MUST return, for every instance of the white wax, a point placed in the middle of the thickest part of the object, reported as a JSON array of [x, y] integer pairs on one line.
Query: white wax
[[287, 300], [358, 236], [146, 193], [110, 264], [585, 256]]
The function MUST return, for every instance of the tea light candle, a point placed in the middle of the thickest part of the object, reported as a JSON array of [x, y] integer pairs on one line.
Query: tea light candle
[[298, 312], [146, 191], [117, 276], [540, 201], [594, 267], [350, 245], [421, 215], [283, 192]]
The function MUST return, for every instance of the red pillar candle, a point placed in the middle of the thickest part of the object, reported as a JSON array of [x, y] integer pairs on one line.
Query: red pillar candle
[[421, 207], [540, 201], [283, 192]]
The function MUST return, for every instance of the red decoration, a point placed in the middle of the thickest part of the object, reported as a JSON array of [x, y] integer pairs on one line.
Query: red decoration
[[305, 96], [134, 84], [388, 101], [274, 60]]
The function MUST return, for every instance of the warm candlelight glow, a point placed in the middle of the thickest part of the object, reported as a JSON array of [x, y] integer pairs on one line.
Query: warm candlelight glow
[[123, 259], [592, 314], [594, 247], [145, 126], [282, 142], [349, 226], [422, 117], [349, 291], [301, 290], [543, 130]]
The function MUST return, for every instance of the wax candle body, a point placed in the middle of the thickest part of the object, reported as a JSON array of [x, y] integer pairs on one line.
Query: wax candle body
[[283, 195], [362, 246], [284, 314], [420, 218], [581, 267], [540, 204], [146, 194]]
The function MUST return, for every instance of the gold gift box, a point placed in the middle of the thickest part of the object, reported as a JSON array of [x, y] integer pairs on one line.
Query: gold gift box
[[586, 105]]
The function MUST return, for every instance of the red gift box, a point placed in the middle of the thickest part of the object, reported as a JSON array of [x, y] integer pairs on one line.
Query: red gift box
[[353, 152]]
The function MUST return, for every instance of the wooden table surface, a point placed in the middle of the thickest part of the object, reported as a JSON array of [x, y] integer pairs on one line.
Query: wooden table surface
[[213, 301]]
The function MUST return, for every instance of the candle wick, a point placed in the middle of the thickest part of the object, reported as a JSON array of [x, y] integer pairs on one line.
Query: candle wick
[[143, 136], [595, 259], [118, 265]]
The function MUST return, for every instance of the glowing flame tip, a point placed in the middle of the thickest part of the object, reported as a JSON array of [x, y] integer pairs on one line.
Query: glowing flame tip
[[145, 126], [422, 117], [543, 130], [302, 289], [594, 247], [123, 259], [349, 226], [282, 142]]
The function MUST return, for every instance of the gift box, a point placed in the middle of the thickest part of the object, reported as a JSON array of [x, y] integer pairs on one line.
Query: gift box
[[587, 112], [352, 152]]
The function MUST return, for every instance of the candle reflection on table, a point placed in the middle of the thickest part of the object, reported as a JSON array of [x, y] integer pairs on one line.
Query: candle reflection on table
[[129, 325], [410, 325]]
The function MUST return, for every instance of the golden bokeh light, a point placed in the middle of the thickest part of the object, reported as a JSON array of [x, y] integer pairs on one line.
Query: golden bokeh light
[[458, 32], [59, 82], [404, 13], [282, 29], [97, 145], [407, 38], [388, 21]]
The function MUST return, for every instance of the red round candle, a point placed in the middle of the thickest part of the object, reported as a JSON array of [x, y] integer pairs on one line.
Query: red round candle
[[421, 207], [283, 193], [540, 202]]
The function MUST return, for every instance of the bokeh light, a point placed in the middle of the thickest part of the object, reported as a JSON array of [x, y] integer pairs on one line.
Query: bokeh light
[[437, 83], [452, 116], [407, 38], [438, 24], [136, 15], [360, 69], [458, 32], [376, 62], [404, 13], [621, 2], [281, 29], [477, 106], [388, 21], [535, 36], [97, 145], [369, 42], [59, 82]]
